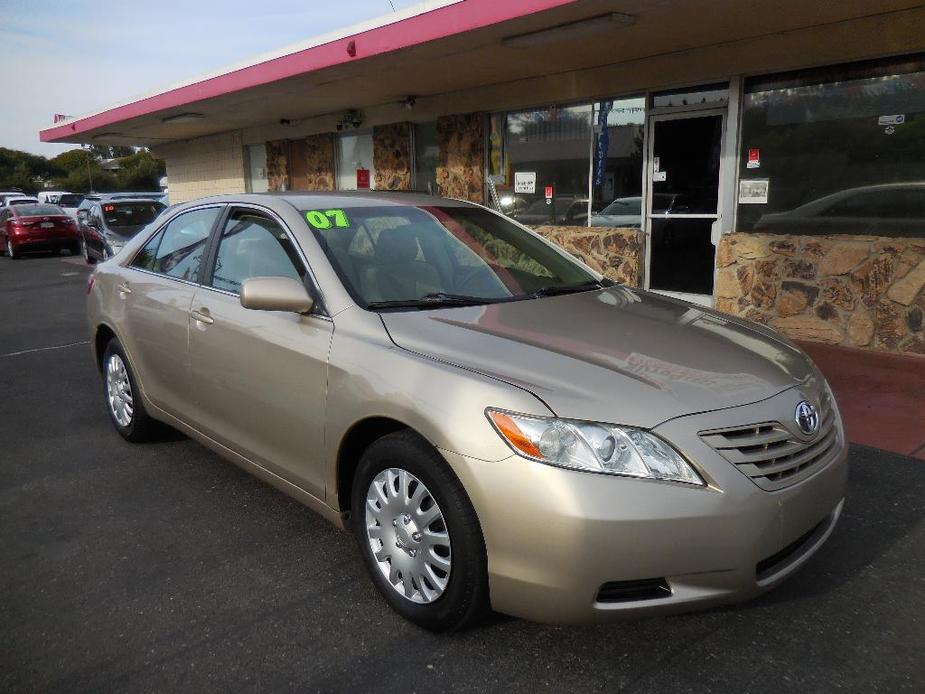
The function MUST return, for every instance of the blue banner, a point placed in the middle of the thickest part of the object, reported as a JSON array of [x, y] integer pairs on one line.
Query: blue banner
[[602, 143]]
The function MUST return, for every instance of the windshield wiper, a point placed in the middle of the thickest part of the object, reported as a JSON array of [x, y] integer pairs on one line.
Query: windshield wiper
[[434, 300], [553, 290]]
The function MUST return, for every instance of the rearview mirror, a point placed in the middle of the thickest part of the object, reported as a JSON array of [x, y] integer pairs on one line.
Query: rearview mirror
[[275, 294]]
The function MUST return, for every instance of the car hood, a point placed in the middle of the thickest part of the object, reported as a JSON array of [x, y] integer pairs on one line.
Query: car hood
[[616, 355], [616, 220]]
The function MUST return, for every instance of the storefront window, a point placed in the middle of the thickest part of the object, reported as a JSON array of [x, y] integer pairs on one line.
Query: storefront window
[[616, 177], [355, 161], [546, 160], [426, 157], [257, 168], [835, 153]]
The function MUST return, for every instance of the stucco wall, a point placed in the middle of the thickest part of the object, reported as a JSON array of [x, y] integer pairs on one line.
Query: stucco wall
[[462, 153], [615, 253], [205, 166], [392, 156], [857, 291]]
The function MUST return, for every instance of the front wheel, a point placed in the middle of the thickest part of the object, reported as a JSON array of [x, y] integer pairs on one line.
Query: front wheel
[[418, 534], [123, 399]]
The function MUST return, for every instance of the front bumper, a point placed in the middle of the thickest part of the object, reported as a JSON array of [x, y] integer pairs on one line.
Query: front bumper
[[555, 537]]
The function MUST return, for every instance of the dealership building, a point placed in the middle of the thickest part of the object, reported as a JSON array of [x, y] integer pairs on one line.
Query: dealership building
[[763, 158]]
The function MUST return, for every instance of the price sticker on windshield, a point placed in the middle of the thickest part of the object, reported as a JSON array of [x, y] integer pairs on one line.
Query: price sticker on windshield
[[325, 219]]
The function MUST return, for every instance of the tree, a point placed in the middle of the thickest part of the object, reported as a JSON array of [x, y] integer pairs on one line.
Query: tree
[[140, 171], [23, 170], [111, 151]]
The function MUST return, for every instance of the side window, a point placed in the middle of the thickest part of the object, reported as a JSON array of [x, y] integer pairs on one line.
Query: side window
[[253, 245], [176, 251], [145, 258], [93, 217]]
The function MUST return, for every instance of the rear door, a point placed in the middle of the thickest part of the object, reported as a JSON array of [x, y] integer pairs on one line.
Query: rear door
[[260, 376], [156, 291]]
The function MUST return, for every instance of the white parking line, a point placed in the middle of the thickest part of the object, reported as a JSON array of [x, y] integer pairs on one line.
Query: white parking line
[[44, 349]]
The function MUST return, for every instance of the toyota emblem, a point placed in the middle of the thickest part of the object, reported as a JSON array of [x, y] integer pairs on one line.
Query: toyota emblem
[[807, 418]]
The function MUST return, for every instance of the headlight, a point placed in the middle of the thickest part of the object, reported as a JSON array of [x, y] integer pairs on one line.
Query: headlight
[[591, 446]]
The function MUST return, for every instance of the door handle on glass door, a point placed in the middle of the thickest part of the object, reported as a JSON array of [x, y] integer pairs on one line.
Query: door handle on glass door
[[202, 316]]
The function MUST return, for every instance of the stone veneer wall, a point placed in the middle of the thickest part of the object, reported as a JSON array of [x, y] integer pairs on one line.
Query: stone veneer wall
[[277, 165], [615, 253], [319, 165], [316, 171], [392, 156], [857, 291], [462, 154]]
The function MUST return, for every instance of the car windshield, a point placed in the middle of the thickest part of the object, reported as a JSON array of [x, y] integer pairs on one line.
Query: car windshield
[[33, 210], [70, 200], [627, 206], [130, 214], [390, 257]]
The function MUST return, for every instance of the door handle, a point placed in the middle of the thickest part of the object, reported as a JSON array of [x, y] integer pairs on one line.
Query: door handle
[[202, 316], [124, 289]]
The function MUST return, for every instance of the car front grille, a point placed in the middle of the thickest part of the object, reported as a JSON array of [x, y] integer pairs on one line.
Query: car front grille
[[772, 455]]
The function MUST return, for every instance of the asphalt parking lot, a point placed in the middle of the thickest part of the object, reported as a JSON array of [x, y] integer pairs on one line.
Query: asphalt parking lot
[[161, 567]]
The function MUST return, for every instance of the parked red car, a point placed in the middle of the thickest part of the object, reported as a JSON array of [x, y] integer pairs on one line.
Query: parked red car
[[36, 227]]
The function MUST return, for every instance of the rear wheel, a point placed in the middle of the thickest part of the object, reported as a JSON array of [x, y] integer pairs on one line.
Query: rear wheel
[[85, 251], [10, 251], [74, 248], [123, 399], [418, 534]]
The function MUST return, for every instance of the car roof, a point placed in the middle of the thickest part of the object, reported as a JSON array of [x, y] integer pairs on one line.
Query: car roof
[[328, 199], [119, 201]]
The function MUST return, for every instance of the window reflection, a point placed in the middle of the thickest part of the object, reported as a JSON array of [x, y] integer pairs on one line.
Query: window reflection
[[843, 152], [550, 149]]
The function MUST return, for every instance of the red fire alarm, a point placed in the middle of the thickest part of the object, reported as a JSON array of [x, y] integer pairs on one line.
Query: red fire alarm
[[754, 158], [362, 179], [548, 195]]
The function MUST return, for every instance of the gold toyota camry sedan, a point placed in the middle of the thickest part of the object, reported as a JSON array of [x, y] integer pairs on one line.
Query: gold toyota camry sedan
[[498, 425]]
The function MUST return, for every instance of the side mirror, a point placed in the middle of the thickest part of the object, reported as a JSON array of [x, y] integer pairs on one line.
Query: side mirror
[[275, 294]]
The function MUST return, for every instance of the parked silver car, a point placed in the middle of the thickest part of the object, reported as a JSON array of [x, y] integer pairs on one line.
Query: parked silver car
[[499, 425]]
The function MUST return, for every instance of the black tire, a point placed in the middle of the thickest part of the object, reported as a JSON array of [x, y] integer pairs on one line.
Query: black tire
[[85, 251], [9, 251], [140, 427], [74, 248], [465, 600]]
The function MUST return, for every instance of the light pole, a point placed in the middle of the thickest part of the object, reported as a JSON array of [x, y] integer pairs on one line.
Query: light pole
[[89, 174]]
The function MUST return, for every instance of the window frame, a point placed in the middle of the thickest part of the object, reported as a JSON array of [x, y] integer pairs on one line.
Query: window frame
[[207, 268], [208, 279], [130, 264]]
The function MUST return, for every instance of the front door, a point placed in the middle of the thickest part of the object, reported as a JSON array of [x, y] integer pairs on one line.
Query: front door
[[260, 376], [682, 216]]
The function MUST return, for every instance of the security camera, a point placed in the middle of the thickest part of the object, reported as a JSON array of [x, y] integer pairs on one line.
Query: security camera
[[356, 122]]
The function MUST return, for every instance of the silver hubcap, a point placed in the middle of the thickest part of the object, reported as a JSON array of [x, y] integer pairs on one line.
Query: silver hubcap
[[121, 402], [408, 535]]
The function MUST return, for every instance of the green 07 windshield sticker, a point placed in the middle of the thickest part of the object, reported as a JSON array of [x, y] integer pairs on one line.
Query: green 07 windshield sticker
[[325, 219]]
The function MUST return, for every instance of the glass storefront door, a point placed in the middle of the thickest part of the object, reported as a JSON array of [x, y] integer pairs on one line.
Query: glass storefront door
[[682, 215]]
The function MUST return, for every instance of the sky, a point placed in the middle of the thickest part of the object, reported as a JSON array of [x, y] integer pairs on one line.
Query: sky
[[79, 56]]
